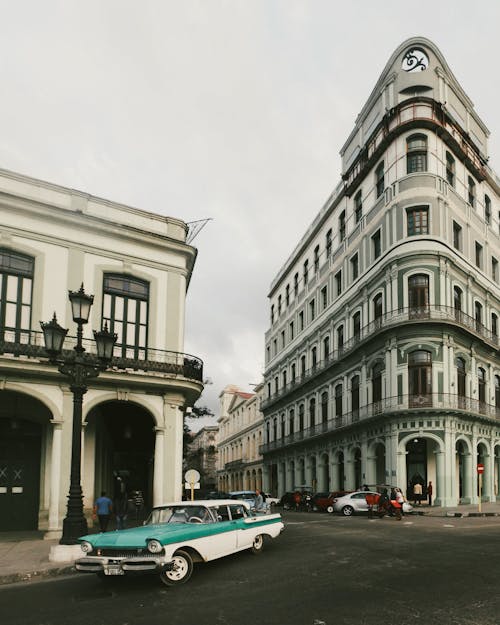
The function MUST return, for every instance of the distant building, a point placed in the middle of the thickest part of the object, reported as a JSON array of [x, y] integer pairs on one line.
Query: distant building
[[240, 436], [138, 266], [382, 360], [202, 456]]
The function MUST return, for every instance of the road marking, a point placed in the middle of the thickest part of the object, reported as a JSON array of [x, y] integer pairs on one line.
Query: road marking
[[446, 525]]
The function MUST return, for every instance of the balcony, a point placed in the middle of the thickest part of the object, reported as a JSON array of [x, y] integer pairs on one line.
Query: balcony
[[427, 314], [31, 345], [236, 464], [404, 406]]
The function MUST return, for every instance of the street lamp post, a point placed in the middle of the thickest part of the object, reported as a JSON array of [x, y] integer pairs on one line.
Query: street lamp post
[[78, 366]]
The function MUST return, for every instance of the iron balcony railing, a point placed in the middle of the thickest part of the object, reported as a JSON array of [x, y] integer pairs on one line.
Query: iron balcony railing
[[391, 319], [30, 344], [411, 406]]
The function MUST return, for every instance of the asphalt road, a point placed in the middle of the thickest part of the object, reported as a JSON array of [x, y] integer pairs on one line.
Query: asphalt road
[[323, 570]]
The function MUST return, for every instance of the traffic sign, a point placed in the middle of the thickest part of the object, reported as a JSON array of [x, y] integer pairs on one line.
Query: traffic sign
[[192, 476], [480, 468]]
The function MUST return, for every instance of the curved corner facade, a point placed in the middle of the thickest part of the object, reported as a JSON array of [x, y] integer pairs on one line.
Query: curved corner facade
[[382, 359]]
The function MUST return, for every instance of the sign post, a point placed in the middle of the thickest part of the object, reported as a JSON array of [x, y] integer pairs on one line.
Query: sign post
[[480, 471], [192, 478]]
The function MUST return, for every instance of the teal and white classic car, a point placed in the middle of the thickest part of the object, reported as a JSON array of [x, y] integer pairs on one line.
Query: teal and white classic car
[[175, 536]]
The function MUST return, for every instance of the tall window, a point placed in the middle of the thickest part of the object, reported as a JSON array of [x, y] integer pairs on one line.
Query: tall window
[[125, 310], [312, 411], [324, 407], [376, 245], [293, 373], [338, 400], [487, 209], [16, 281], [420, 378], [416, 154], [305, 272], [324, 298], [312, 310], [279, 305], [418, 296], [494, 324], [301, 320], [450, 169], [287, 295], [301, 417], [326, 347], [481, 382], [291, 421], [494, 269], [418, 220], [316, 259], [329, 243], [302, 366], [471, 192], [296, 284], [356, 325], [497, 391], [377, 384], [377, 307], [291, 331], [479, 255], [457, 302], [354, 267], [340, 338], [355, 396], [460, 363], [342, 226], [358, 207], [457, 236], [379, 179], [338, 282], [314, 357], [478, 316]]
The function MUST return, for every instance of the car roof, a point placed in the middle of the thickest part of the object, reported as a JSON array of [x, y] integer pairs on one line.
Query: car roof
[[210, 503], [242, 492]]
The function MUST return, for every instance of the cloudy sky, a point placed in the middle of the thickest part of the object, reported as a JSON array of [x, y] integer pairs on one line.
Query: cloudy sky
[[233, 110]]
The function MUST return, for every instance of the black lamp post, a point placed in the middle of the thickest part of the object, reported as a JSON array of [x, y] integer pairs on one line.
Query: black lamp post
[[78, 367]]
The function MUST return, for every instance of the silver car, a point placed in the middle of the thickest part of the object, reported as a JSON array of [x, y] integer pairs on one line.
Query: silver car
[[353, 502]]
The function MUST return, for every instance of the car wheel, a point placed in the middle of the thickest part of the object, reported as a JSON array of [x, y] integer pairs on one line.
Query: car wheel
[[347, 510], [329, 509], [181, 570], [257, 545]]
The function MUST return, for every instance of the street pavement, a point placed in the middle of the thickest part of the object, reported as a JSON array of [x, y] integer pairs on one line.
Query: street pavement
[[24, 556]]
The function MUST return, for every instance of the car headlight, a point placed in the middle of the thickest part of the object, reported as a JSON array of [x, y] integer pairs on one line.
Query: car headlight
[[154, 546], [86, 547]]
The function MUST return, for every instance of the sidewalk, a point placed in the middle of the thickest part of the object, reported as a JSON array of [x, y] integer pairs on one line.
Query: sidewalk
[[24, 556]]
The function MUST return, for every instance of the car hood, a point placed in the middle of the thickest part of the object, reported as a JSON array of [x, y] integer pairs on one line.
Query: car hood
[[138, 536]]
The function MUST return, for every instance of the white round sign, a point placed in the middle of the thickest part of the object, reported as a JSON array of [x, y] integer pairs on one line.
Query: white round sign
[[192, 476]]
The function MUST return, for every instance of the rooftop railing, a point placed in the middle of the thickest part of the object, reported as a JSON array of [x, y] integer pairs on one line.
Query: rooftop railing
[[30, 344], [413, 407], [427, 314]]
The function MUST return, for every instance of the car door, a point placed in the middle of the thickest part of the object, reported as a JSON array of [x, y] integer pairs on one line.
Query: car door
[[359, 502], [223, 537]]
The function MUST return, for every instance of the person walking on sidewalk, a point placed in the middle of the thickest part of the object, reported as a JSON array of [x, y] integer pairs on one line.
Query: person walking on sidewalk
[[417, 493], [429, 493], [102, 508]]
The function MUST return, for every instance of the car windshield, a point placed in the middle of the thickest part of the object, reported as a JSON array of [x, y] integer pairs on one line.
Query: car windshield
[[180, 514]]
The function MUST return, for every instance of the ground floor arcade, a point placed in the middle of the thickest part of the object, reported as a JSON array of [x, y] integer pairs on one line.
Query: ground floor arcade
[[241, 478], [444, 450], [130, 441]]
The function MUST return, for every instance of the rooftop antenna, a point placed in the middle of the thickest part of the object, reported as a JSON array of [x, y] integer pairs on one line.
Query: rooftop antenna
[[194, 227]]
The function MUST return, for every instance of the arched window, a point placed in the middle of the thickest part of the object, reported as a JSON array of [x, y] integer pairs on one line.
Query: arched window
[[478, 316], [125, 311], [416, 154], [497, 391], [326, 347], [457, 302], [494, 324], [342, 226], [312, 412], [16, 283], [282, 427], [328, 243], [340, 338], [355, 396], [356, 325], [314, 357], [291, 421], [418, 296], [377, 308], [420, 378], [301, 417], [302, 365]]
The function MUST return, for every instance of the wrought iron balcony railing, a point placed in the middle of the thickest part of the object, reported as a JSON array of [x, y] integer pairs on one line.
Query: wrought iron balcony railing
[[408, 406], [30, 345], [426, 314]]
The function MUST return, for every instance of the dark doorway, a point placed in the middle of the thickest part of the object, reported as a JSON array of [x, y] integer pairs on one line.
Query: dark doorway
[[416, 464], [20, 443]]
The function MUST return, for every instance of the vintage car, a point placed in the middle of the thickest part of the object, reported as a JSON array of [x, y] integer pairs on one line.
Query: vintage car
[[175, 536]]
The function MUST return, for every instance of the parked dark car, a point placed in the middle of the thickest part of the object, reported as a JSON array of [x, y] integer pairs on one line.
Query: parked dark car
[[287, 501], [323, 502]]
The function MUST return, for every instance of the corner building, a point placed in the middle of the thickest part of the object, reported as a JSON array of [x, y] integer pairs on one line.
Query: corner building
[[382, 360]]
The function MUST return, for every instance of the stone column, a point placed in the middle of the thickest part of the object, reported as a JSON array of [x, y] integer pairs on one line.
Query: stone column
[[441, 499], [55, 527], [158, 476], [469, 493], [172, 462]]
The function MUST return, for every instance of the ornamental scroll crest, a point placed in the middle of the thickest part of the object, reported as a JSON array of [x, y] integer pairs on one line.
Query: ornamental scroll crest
[[415, 60]]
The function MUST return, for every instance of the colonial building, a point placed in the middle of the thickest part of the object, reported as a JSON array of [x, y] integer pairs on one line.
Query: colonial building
[[382, 360], [138, 266], [240, 437], [202, 456]]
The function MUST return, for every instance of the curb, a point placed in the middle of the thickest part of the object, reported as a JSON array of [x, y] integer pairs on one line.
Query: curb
[[32, 576], [471, 514]]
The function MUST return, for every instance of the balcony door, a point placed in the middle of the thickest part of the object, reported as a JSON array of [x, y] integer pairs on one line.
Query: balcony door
[[16, 279], [420, 378], [418, 296]]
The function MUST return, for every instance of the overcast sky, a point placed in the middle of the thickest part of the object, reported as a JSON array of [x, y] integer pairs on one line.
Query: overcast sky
[[223, 109]]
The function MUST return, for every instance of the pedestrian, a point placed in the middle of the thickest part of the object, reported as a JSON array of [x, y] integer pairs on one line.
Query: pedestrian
[[297, 499], [120, 508], [417, 493], [400, 499], [383, 503], [259, 501], [102, 509], [429, 493]]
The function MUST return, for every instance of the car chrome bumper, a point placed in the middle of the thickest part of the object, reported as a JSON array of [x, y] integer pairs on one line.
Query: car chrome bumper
[[114, 566]]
